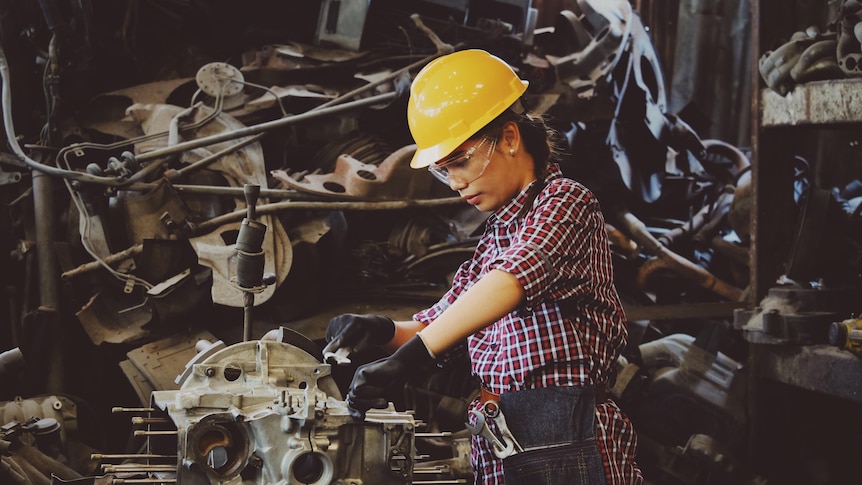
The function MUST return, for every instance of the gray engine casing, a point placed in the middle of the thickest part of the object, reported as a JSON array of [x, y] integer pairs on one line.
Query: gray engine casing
[[266, 412]]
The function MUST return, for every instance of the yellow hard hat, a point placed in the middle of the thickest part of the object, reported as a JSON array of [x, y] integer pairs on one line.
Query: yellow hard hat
[[453, 97]]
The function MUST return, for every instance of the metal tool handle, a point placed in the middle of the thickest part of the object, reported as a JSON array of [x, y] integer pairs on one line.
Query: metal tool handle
[[502, 448]]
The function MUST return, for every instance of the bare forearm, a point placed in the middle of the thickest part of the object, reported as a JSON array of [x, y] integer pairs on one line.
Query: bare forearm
[[492, 297], [404, 331]]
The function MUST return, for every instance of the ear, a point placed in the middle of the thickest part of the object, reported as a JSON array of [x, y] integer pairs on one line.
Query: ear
[[510, 138]]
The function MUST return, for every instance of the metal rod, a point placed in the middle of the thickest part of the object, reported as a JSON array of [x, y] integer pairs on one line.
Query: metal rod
[[175, 174], [142, 420], [130, 481], [440, 482], [113, 258], [216, 222], [141, 432], [252, 193], [221, 190], [129, 456], [431, 469], [263, 127], [136, 467], [686, 268], [116, 410], [393, 75], [49, 284], [248, 305]]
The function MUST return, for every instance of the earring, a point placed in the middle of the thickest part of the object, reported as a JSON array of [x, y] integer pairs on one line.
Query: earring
[[512, 152]]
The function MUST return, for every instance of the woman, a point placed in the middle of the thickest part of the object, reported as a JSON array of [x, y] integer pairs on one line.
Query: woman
[[536, 303]]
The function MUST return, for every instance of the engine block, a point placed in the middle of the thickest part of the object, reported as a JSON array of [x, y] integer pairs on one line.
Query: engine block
[[267, 412]]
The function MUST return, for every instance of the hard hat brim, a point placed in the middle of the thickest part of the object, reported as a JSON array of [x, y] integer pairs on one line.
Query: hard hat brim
[[423, 157]]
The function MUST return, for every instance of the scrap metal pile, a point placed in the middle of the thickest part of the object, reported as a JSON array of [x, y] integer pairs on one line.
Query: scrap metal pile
[[816, 54], [133, 131]]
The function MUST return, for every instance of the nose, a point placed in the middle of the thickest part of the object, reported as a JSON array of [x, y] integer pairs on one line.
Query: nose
[[456, 183]]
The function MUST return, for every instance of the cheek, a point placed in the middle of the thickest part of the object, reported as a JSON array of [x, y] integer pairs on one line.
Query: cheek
[[504, 186], [493, 197]]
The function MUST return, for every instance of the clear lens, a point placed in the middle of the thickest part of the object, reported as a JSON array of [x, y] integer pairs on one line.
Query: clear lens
[[463, 167]]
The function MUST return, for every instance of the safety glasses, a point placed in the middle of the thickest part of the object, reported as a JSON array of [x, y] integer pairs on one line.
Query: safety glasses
[[464, 166]]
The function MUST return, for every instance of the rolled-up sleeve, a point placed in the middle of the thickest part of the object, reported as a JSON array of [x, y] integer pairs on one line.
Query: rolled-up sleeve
[[551, 255]]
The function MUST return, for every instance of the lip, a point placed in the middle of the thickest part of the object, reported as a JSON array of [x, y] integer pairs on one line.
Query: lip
[[471, 199]]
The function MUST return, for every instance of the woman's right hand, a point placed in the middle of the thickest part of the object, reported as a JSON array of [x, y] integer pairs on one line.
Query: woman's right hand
[[373, 382], [350, 334]]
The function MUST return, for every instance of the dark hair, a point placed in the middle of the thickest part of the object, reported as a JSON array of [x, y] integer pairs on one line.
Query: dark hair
[[540, 140]]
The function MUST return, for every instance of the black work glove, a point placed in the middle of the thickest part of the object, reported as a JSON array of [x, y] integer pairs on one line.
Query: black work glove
[[356, 334], [372, 381]]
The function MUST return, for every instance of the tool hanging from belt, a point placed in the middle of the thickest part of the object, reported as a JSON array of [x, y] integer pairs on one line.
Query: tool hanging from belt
[[502, 442]]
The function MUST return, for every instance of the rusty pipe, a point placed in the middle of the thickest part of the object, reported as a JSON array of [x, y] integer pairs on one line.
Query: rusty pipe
[[621, 241], [700, 222], [647, 269], [111, 259], [639, 233]]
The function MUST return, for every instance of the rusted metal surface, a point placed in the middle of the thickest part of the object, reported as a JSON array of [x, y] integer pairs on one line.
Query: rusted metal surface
[[819, 368], [817, 103], [159, 360], [391, 179]]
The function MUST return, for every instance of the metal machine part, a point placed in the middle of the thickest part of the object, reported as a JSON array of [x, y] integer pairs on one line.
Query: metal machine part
[[595, 35], [687, 402], [267, 412], [809, 55], [796, 315], [248, 422], [847, 335], [243, 166], [219, 79], [849, 45], [40, 438], [353, 178], [59, 409], [10, 361]]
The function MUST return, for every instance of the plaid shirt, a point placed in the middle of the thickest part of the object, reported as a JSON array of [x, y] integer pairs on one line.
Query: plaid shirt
[[559, 252]]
